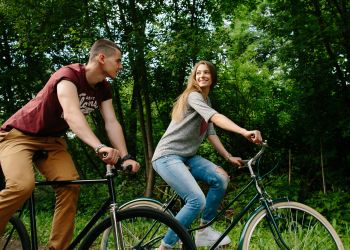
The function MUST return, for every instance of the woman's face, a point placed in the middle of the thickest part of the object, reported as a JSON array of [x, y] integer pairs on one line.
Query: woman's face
[[203, 76]]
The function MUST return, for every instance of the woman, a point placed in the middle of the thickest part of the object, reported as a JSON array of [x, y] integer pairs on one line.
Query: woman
[[175, 158]]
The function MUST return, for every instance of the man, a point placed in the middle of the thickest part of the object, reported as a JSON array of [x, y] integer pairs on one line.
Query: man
[[71, 93]]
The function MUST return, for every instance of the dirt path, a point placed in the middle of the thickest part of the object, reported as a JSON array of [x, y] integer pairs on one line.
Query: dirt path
[[16, 245]]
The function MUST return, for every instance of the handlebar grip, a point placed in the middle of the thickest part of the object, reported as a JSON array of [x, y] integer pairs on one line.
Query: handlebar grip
[[245, 162], [119, 167], [127, 168]]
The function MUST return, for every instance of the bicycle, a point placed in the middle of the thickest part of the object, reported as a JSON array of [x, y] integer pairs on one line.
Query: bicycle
[[274, 224], [125, 226]]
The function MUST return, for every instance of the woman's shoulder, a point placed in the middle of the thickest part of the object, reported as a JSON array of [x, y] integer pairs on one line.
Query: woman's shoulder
[[196, 95]]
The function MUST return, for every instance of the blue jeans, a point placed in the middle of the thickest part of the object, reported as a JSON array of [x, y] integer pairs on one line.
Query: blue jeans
[[181, 174]]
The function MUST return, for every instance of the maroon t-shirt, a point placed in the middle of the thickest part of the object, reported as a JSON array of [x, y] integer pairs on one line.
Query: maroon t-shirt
[[43, 115]]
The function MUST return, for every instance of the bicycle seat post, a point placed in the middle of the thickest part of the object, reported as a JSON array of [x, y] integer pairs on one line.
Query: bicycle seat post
[[38, 156], [34, 236]]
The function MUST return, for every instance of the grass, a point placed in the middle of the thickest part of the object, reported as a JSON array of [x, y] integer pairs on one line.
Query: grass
[[44, 227]]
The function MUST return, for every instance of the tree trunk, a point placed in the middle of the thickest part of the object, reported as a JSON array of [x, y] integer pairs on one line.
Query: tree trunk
[[289, 166], [322, 168], [136, 44]]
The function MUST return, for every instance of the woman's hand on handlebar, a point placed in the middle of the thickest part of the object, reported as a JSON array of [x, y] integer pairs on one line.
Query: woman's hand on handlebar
[[253, 136], [236, 161]]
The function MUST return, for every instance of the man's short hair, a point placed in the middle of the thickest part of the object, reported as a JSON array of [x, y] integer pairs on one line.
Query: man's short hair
[[105, 46]]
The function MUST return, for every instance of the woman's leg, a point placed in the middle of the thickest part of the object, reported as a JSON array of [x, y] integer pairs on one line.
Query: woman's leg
[[172, 169], [215, 177]]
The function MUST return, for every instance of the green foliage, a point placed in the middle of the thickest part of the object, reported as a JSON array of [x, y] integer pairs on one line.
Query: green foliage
[[332, 206]]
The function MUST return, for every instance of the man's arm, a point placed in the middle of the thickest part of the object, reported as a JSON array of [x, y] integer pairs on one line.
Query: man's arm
[[115, 133], [68, 97], [113, 127]]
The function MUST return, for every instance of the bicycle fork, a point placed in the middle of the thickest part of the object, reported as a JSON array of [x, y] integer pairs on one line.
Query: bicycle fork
[[117, 229], [267, 203], [116, 225], [274, 228]]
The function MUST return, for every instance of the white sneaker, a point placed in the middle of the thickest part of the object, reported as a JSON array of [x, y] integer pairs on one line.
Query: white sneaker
[[208, 236]]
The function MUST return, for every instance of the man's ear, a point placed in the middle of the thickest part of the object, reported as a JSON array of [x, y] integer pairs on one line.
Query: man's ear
[[101, 58]]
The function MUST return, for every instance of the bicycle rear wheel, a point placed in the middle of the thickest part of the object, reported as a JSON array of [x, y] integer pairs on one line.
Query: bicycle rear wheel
[[142, 228], [300, 226], [15, 236]]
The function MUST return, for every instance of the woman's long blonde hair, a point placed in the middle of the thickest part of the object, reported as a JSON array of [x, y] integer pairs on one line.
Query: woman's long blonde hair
[[192, 85]]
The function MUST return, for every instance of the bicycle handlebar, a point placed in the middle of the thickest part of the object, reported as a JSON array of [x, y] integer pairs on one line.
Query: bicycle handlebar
[[118, 166], [248, 163]]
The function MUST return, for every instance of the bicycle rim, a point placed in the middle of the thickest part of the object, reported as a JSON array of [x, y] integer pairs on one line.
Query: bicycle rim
[[142, 228], [300, 226], [15, 236]]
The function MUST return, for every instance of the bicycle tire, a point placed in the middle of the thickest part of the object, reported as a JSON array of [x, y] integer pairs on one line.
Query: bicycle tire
[[139, 230], [15, 236], [146, 203], [301, 227], [140, 202]]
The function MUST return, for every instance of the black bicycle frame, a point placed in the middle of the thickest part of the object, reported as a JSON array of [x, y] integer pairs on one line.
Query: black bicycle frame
[[235, 219], [98, 214]]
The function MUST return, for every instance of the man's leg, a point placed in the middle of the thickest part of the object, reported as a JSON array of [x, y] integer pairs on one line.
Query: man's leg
[[60, 166], [17, 167]]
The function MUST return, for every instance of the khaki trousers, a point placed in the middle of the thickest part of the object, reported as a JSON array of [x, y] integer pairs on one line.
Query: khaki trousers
[[16, 151]]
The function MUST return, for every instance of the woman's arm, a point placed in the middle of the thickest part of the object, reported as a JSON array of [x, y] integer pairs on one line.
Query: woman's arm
[[215, 141], [225, 123]]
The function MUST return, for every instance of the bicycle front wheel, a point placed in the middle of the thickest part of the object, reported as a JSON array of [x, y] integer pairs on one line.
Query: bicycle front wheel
[[142, 228], [300, 227], [15, 236], [146, 203]]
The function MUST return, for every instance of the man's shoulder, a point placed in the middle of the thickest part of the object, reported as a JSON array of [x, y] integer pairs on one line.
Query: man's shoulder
[[75, 68], [72, 72]]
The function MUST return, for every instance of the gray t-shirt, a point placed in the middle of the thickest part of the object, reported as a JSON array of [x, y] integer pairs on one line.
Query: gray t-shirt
[[184, 138]]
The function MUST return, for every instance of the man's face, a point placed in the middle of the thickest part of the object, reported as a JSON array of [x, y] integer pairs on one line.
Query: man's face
[[113, 64]]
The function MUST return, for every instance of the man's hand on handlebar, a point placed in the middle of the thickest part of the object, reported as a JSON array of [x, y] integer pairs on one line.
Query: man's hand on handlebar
[[134, 165], [109, 155]]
